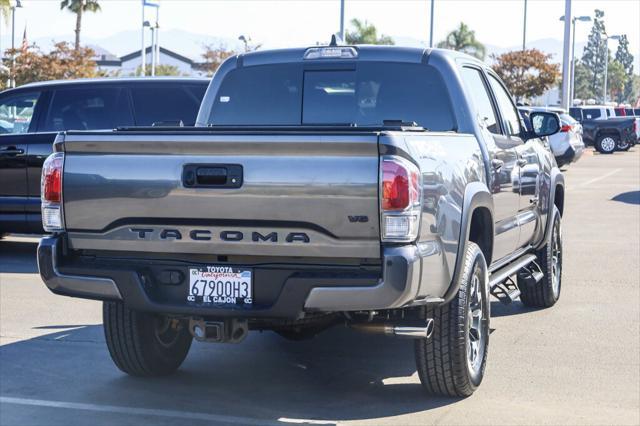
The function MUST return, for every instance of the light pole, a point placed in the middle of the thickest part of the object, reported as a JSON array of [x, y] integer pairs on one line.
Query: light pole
[[524, 28], [13, 41], [606, 63], [245, 40], [431, 25], [143, 50], [565, 55], [572, 82], [342, 20]]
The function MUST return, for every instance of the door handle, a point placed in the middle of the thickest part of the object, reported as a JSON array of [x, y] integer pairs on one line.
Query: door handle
[[521, 162], [12, 150], [497, 164], [212, 176], [533, 200]]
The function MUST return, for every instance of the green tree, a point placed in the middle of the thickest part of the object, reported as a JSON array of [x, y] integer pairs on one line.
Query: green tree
[[616, 81], [365, 33], [625, 59], [5, 9], [595, 52], [464, 40], [79, 7], [582, 80], [527, 73]]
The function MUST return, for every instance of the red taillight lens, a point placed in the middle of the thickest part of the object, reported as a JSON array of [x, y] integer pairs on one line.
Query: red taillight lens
[[51, 184], [400, 186], [566, 128]]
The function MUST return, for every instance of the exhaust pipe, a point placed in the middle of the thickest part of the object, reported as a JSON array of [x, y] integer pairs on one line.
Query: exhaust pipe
[[389, 329]]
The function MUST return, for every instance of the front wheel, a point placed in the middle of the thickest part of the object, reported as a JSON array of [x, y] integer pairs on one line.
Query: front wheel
[[144, 344], [453, 360], [547, 292], [623, 145], [606, 144]]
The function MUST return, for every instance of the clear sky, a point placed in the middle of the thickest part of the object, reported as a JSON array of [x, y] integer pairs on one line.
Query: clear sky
[[295, 23]]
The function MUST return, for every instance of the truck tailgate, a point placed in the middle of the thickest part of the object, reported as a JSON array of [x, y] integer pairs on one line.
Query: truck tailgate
[[299, 194]]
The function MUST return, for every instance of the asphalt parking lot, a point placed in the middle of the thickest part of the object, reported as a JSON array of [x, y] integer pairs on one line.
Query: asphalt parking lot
[[577, 363]]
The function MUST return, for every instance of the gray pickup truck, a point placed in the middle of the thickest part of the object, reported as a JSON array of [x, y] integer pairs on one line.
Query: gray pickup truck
[[389, 189]]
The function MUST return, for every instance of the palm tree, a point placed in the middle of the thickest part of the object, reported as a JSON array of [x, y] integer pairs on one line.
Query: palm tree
[[464, 40], [79, 7], [366, 33]]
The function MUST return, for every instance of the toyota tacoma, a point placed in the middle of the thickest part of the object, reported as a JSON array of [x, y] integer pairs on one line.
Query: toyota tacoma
[[389, 189]]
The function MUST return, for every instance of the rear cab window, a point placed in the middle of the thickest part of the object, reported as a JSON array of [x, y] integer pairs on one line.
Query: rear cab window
[[364, 94]]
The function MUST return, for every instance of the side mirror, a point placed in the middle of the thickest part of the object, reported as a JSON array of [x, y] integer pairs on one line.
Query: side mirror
[[543, 124]]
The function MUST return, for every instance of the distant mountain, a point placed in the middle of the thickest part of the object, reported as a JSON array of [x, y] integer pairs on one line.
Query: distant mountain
[[183, 42], [191, 44]]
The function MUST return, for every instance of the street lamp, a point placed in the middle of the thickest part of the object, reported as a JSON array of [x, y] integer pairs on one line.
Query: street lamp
[[572, 82], [245, 40], [524, 28], [18, 4], [606, 63]]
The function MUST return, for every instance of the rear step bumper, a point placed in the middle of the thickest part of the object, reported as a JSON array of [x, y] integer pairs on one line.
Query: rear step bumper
[[286, 292]]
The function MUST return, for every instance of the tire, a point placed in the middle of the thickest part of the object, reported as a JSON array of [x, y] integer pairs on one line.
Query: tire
[[547, 292], [606, 144], [452, 361], [623, 146], [143, 344]]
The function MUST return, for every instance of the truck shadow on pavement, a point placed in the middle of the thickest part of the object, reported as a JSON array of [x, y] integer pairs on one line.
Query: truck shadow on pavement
[[339, 375], [18, 257], [631, 197]]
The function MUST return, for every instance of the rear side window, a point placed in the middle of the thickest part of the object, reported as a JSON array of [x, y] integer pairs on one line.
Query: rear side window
[[367, 94], [16, 112], [166, 104], [77, 108], [591, 113], [507, 107], [477, 89], [576, 113]]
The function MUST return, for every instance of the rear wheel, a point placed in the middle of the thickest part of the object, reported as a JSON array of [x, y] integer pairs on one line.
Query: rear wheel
[[143, 344], [606, 144], [547, 292], [452, 361]]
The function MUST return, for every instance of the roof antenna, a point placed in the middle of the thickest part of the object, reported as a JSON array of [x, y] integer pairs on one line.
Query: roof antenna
[[335, 40]]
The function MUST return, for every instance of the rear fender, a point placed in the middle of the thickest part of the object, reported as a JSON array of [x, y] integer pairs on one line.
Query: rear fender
[[476, 195]]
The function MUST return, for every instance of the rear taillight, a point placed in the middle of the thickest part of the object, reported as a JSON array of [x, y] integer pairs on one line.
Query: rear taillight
[[566, 128], [400, 204], [51, 192]]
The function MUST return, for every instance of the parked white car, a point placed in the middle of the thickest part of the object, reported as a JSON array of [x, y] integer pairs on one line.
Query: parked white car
[[567, 145]]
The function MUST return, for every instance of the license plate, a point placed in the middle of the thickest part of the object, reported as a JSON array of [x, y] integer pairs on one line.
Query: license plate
[[220, 285]]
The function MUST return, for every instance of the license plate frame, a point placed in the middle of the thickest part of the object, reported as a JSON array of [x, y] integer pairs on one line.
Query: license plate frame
[[219, 285]]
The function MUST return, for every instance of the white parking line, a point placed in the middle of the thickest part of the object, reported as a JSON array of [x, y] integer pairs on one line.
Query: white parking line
[[596, 179], [217, 418]]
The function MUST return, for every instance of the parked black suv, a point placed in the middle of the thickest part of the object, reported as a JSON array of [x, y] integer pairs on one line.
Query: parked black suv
[[32, 115]]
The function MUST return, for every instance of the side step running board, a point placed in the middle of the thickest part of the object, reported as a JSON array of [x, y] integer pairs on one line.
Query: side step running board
[[502, 286], [506, 271]]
